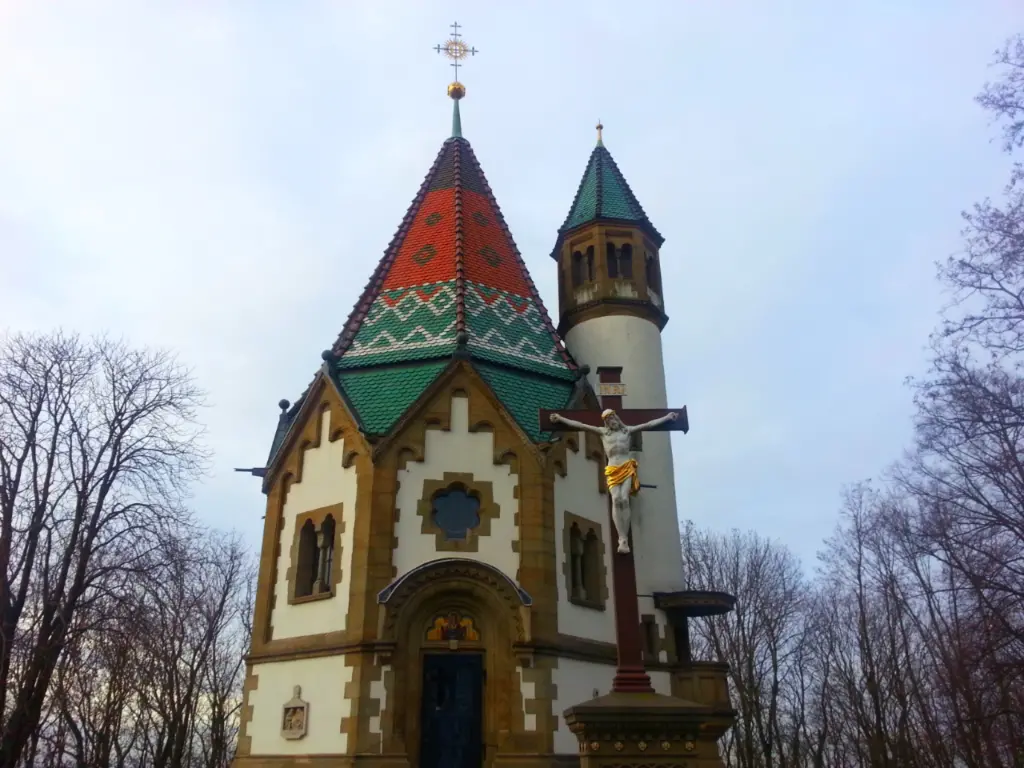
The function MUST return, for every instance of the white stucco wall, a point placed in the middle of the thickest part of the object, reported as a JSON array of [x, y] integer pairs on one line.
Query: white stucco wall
[[579, 494], [457, 450], [635, 345], [323, 683], [575, 683], [324, 483]]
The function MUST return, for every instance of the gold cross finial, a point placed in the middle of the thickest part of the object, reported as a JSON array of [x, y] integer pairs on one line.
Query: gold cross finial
[[599, 129], [455, 48]]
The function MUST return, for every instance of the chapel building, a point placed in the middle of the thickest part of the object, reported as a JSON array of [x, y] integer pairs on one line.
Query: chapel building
[[435, 568]]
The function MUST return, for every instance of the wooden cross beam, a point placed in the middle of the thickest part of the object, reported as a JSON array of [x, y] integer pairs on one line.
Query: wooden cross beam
[[630, 675]]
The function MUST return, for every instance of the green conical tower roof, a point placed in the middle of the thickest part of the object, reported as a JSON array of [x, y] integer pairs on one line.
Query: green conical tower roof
[[604, 195]]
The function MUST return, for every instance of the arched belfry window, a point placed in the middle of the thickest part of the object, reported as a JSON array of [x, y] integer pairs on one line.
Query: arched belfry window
[[305, 567], [590, 263], [626, 262], [577, 269], [652, 272], [612, 261]]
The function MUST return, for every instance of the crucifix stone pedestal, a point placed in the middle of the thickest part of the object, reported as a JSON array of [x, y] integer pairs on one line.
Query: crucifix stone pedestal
[[633, 725]]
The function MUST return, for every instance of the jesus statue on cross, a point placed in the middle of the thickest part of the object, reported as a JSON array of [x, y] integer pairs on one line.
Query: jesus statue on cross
[[621, 472]]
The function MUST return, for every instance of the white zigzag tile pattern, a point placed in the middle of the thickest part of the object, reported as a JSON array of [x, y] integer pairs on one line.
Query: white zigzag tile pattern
[[411, 302], [417, 337], [523, 336], [503, 324]]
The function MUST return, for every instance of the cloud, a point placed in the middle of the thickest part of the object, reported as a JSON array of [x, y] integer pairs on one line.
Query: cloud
[[222, 178]]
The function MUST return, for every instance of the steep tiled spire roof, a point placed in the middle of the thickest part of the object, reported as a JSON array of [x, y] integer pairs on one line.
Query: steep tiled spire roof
[[604, 194], [453, 277], [451, 284]]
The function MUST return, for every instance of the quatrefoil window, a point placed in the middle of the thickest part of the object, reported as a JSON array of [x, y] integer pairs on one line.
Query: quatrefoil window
[[456, 512]]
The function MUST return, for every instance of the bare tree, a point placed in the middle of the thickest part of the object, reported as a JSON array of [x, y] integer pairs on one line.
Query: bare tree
[[195, 643], [162, 683], [761, 640], [986, 280], [98, 443]]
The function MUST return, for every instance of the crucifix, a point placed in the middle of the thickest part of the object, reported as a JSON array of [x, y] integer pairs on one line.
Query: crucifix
[[455, 48], [615, 426]]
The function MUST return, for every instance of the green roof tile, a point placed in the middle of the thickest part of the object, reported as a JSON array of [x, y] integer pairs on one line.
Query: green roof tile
[[381, 395], [452, 283], [524, 395], [584, 208], [604, 194]]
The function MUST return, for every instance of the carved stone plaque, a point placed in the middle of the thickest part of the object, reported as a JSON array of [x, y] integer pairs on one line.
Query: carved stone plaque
[[608, 389], [295, 716]]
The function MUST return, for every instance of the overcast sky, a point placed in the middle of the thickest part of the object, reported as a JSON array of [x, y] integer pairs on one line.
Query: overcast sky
[[220, 177]]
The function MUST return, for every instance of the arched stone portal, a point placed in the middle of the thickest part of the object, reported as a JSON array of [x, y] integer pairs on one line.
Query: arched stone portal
[[462, 607]]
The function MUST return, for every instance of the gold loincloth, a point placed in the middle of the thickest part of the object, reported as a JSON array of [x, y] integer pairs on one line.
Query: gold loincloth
[[618, 475]]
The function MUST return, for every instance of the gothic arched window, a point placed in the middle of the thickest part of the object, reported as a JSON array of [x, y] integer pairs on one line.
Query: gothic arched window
[[592, 566], [305, 568], [577, 269], [584, 570], [326, 559], [576, 555], [590, 263]]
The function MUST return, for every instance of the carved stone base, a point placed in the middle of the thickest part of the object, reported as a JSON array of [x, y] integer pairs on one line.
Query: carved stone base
[[647, 730], [395, 761]]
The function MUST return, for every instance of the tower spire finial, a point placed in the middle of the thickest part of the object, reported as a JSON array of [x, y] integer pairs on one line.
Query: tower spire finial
[[455, 48], [600, 128]]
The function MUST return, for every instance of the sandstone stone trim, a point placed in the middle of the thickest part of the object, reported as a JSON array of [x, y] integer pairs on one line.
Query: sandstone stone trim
[[667, 640], [472, 589], [317, 517], [653, 642], [286, 470], [252, 680], [706, 682], [592, 448], [536, 542], [372, 566], [540, 672], [609, 307], [481, 490], [366, 671], [292, 761], [605, 300], [600, 574], [391, 704]]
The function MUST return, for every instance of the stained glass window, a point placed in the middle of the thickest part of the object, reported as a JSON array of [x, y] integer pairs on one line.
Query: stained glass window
[[456, 512]]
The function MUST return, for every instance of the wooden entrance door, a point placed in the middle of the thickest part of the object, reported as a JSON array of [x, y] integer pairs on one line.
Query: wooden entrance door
[[452, 711]]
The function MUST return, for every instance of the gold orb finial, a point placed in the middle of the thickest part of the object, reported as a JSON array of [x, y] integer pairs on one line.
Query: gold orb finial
[[456, 90], [599, 129]]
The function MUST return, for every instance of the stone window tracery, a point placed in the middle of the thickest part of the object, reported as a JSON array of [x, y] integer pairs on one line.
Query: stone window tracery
[[314, 565], [457, 510], [585, 572]]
